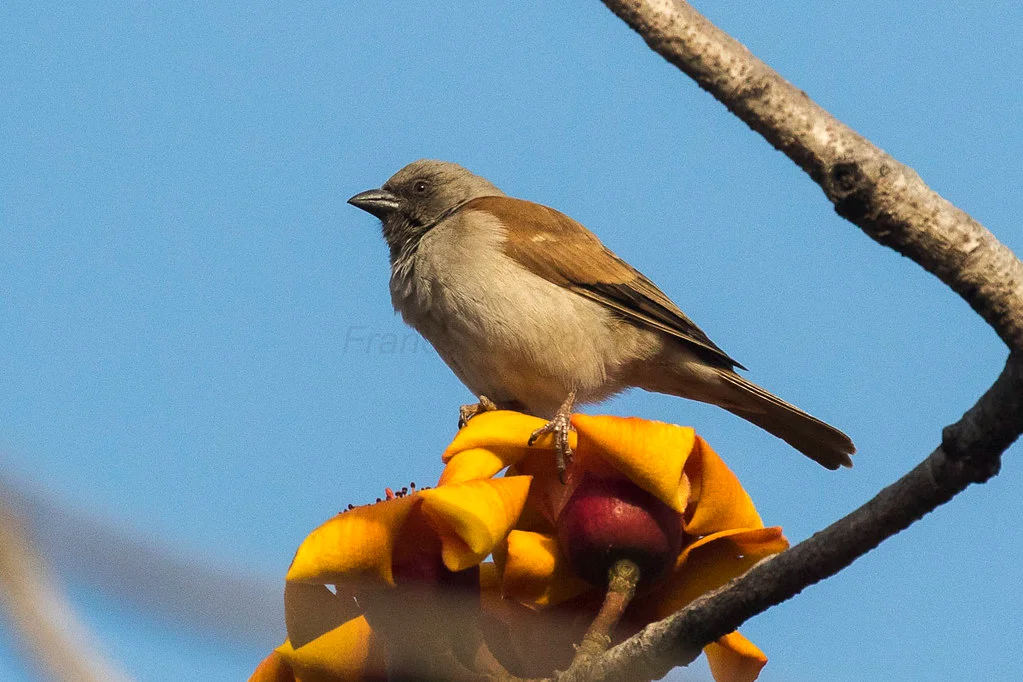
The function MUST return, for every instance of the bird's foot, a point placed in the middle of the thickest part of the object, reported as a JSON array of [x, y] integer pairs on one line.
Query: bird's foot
[[467, 412], [560, 426]]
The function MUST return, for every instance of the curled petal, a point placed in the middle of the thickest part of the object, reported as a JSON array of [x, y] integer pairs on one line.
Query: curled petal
[[354, 547], [651, 454], [349, 652], [501, 429], [496, 440], [733, 658], [535, 572], [477, 463], [717, 500], [711, 561], [472, 518]]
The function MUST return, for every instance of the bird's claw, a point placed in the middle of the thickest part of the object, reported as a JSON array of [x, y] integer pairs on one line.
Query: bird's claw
[[560, 426], [467, 412]]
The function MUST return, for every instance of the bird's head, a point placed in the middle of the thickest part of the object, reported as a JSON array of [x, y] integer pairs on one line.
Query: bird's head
[[418, 197]]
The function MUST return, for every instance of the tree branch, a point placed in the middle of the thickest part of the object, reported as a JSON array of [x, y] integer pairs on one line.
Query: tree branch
[[887, 199], [970, 454], [890, 202]]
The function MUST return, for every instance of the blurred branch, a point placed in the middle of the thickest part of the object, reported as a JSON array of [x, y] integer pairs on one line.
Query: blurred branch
[[48, 630], [890, 202], [217, 602]]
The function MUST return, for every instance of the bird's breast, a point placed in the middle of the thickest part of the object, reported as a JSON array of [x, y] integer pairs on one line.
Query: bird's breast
[[507, 333]]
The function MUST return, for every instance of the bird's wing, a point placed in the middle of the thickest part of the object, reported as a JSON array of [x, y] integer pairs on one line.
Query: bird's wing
[[557, 248]]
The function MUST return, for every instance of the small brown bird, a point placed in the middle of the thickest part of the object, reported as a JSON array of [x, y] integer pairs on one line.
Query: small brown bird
[[531, 310]]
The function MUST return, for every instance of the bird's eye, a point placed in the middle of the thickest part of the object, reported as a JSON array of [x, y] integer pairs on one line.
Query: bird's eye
[[420, 186]]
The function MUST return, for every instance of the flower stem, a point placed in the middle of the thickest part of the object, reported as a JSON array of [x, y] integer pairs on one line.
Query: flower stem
[[621, 587]]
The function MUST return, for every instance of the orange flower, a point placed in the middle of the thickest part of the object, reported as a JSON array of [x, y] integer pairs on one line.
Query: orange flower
[[273, 669], [350, 651], [388, 562], [686, 482]]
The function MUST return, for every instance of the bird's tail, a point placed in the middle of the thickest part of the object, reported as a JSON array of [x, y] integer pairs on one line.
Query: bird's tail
[[821, 442]]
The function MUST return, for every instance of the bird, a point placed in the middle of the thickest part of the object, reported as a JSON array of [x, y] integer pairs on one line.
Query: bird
[[533, 313]]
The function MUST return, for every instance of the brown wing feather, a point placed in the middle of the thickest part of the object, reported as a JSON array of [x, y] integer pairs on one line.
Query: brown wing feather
[[552, 245]]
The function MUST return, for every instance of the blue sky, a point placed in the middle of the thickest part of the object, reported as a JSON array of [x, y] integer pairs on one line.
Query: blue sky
[[183, 288]]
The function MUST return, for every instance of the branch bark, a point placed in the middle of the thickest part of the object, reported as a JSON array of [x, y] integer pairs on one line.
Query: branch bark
[[885, 198], [969, 454], [891, 203]]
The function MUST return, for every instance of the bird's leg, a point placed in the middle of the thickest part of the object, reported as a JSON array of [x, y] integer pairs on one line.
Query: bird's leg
[[560, 426], [467, 412]]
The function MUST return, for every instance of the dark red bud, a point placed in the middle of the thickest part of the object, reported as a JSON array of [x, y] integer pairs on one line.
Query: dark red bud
[[608, 519]]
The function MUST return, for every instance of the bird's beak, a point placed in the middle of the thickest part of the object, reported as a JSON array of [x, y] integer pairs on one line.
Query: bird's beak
[[378, 202]]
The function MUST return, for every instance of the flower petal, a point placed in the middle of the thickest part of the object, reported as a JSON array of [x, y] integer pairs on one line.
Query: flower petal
[[712, 561], [349, 652], [717, 500], [494, 430], [312, 610], [733, 658], [651, 454], [353, 547], [535, 571], [476, 463], [472, 518], [547, 494], [273, 668]]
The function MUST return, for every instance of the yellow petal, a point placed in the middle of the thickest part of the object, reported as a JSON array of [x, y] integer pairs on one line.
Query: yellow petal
[[535, 572], [477, 463], [733, 658], [711, 561], [717, 500], [312, 610], [273, 668], [547, 494], [494, 430], [472, 518], [354, 547], [349, 652], [651, 454]]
